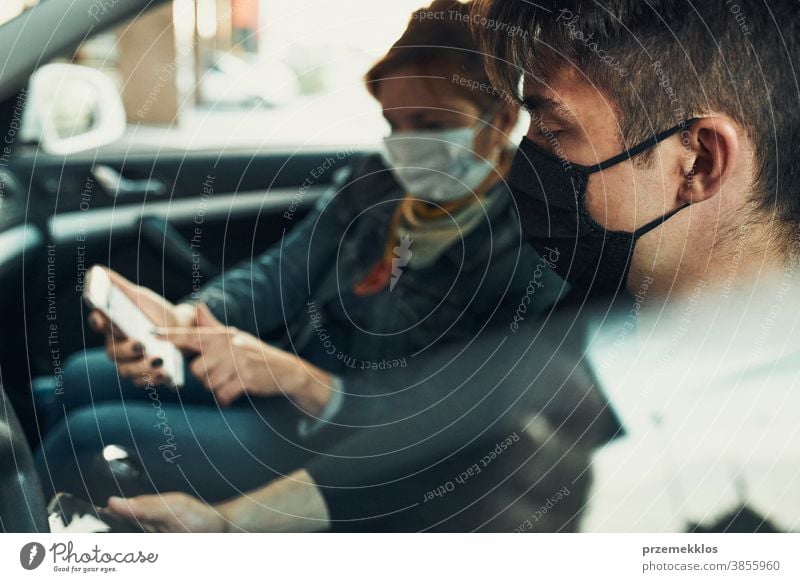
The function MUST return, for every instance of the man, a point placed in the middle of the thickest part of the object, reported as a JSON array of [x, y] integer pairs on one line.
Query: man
[[660, 161]]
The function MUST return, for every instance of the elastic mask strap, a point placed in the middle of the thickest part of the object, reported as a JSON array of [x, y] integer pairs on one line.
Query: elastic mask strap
[[484, 119], [491, 112], [643, 230], [639, 148]]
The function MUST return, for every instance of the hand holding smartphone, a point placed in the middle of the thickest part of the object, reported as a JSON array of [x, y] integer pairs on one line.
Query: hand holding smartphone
[[100, 293]]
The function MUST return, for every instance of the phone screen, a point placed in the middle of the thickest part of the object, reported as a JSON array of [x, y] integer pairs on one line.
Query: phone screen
[[109, 299]]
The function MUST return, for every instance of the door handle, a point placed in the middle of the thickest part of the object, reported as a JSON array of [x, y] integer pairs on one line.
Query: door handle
[[116, 185]]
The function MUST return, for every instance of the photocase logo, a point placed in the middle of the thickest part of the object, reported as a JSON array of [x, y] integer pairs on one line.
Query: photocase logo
[[31, 555], [402, 255]]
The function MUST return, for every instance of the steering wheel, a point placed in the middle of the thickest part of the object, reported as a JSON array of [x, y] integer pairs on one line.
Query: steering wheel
[[22, 504]]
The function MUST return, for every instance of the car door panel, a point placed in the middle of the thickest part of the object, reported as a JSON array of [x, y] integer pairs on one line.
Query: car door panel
[[23, 267]]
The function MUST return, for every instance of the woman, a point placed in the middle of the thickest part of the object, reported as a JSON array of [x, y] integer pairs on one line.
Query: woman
[[409, 250]]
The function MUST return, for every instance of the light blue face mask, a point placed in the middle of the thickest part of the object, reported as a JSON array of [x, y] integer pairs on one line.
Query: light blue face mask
[[438, 165]]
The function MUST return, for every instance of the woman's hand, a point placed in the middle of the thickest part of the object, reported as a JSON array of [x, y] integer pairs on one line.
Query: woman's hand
[[127, 354], [231, 362], [170, 513], [293, 503]]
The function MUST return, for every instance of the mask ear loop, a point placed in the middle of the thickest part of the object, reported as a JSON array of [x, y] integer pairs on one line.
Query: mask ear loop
[[491, 112], [643, 230], [484, 121], [636, 150], [639, 148]]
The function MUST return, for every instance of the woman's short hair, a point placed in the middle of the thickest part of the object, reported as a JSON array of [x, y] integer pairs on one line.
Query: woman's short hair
[[437, 40]]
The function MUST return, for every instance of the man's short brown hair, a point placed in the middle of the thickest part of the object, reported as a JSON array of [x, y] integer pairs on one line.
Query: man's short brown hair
[[664, 61]]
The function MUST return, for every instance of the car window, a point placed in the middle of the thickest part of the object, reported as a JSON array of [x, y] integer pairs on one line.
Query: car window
[[248, 74]]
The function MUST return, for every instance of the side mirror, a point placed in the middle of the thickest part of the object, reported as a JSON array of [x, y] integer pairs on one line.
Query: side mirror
[[71, 108]]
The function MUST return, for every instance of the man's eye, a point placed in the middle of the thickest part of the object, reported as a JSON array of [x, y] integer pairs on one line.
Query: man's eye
[[542, 129], [545, 135], [548, 133]]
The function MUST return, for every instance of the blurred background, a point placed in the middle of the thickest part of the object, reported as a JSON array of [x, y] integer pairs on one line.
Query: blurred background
[[272, 74]]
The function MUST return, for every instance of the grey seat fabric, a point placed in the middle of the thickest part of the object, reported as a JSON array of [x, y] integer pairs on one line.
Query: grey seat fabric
[[22, 505]]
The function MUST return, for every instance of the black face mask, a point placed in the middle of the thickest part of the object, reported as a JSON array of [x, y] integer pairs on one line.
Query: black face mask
[[550, 194]]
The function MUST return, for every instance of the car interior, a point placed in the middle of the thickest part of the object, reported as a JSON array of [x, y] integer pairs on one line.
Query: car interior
[[134, 212], [170, 141]]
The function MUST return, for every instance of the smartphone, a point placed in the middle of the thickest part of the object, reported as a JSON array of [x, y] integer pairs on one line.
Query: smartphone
[[101, 294]]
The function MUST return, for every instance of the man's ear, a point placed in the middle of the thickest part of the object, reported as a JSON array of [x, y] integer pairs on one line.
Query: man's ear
[[714, 152]]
